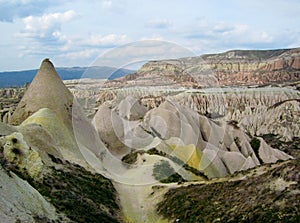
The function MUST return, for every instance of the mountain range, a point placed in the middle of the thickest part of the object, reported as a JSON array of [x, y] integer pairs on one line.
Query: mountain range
[[231, 68], [21, 78]]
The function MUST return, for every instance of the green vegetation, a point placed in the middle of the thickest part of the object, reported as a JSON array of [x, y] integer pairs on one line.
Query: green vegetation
[[255, 144], [81, 195], [164, 173], [178, 161], [234, 123], [131, 158], [249, 200]]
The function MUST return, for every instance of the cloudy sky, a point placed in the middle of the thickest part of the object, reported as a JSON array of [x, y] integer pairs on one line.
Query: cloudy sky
[[75, 33]]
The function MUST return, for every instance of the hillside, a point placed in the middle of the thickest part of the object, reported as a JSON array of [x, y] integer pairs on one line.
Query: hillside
[[264, 195]]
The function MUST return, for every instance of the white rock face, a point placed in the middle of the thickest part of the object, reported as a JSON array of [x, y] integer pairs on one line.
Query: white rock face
[[218, 148], [253, 109], [59, 132], [21, 202], [235, 161], [131, 109], [221, 148], [270, 155], [110, 128], [282, 120]]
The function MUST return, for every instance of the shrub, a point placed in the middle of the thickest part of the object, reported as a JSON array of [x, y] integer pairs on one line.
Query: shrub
[[255, 144], [164, 173]]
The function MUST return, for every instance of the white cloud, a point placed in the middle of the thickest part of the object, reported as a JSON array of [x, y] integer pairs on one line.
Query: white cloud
[[83, 54], [47, 25], [106, 4], [223, 35], [141, 51], [109, 40], [43, 34], [11, 9]]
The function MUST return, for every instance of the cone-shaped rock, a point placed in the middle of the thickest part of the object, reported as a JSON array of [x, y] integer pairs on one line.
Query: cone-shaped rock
[[46, 91]]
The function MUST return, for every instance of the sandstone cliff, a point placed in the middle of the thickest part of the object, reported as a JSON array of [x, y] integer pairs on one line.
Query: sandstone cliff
[[237, 67]]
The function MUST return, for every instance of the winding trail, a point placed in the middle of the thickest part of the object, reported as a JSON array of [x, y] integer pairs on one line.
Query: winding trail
[[139, 202]]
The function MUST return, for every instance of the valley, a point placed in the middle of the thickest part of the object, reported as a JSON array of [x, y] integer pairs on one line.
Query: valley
[[176, 141]]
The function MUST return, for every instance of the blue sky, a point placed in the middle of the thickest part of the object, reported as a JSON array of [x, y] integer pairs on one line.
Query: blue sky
[[75, 33]]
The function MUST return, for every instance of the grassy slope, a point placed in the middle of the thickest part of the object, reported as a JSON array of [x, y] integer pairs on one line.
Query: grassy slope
[[269, 197], [81, 195]]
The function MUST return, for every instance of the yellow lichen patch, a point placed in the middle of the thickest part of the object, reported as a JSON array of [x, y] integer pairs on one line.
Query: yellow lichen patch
[[60, 133], [188, 154], [18, 152], [50, 121]]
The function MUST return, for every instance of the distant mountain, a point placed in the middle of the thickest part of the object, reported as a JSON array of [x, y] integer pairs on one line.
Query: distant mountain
[[20, 78], [232, 68]]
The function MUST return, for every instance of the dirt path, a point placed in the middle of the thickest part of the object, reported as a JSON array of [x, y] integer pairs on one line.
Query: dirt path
[[139, 202]]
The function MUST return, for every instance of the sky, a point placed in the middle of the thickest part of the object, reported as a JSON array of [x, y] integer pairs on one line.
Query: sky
[[77, 32]]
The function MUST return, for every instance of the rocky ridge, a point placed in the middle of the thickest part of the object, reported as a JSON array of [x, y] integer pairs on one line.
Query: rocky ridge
[[232, 68]]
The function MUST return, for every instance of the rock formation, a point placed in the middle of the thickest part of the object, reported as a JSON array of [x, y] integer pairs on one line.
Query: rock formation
[[46, 91], [243, 106], [215, 148], [48, 102], [60, 134], [246, 67]]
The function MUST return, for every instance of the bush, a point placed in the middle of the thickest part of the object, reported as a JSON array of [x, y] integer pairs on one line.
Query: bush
[[255, 144], [164, 173]]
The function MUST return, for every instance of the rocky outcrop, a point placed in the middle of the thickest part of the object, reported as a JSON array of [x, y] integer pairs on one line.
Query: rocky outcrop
[[110, 129], [156, 73], [268, 155], [221, 149], [48, 102], [17, 152], [131, 109], [254, 67]]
